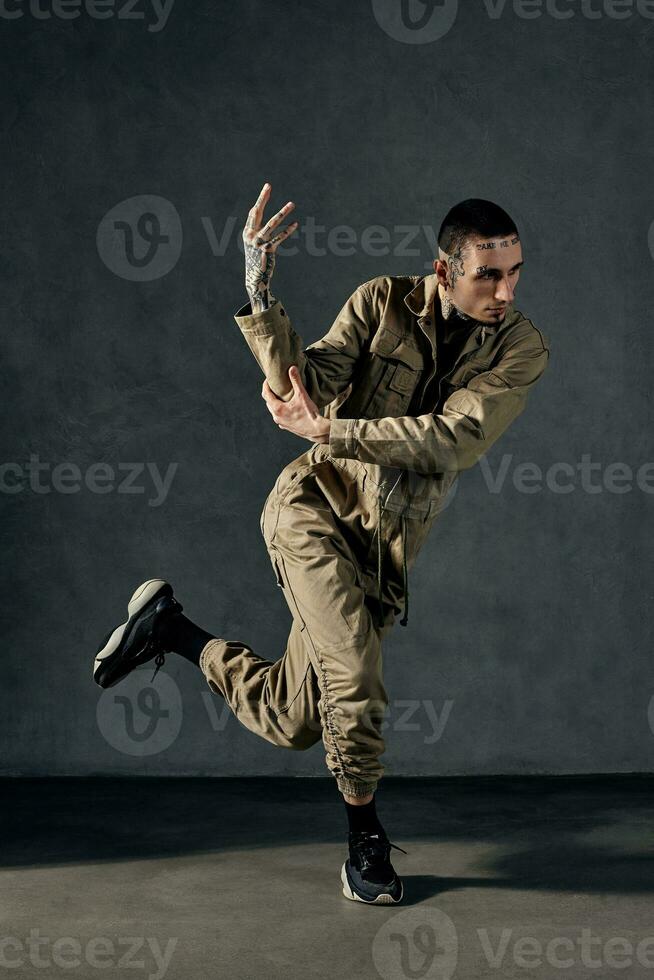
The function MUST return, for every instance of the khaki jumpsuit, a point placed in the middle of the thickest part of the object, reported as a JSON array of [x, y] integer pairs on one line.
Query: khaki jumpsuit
[[345, 520]]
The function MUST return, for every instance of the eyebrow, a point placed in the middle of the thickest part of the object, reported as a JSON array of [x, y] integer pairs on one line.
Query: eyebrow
[[490, 268]]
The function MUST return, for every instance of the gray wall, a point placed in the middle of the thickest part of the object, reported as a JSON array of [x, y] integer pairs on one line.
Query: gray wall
[[529, 636]]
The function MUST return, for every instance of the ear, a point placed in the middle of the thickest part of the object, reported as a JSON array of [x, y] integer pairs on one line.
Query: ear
[[441, 270]]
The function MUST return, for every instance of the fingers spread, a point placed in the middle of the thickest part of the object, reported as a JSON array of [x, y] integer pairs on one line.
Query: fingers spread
[[281, 236], [276, 218], [255, 214]]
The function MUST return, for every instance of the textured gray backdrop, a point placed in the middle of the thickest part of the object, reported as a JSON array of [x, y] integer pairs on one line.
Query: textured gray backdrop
[[133, 147]]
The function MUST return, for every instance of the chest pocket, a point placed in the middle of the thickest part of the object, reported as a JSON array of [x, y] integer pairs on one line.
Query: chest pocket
[[394, 371], [463, 375], [468, 370]]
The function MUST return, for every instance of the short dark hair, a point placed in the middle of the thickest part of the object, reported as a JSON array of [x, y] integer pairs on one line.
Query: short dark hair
[[474, 217]]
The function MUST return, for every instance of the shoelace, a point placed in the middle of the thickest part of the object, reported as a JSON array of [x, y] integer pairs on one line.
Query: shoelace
[[160, 658], [360, 841], [159, 661]]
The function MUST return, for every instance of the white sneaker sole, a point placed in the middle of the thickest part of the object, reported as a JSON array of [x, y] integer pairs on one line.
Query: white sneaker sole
[[140, 598], [380, 900]]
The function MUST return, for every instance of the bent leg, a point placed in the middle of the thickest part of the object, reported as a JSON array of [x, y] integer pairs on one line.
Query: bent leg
[[277, 700]]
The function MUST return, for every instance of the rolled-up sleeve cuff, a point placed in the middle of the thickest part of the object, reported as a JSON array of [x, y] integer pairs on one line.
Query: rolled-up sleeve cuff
[[264, 323], [343, 438]]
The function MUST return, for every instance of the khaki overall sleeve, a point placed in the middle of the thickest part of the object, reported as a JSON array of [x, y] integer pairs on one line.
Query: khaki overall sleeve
[[473, 418], [325, 366]]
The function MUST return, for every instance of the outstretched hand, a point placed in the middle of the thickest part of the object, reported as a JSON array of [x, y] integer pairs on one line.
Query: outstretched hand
[[260, 246], [300, 414]]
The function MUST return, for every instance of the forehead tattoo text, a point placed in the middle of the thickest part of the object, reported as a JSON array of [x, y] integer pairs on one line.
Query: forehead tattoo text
[[503, 244]]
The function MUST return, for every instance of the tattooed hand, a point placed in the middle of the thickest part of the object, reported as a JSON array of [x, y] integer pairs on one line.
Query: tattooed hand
[[260, 249]]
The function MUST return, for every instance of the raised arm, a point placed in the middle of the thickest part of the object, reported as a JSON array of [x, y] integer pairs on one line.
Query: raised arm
[[326, 366]]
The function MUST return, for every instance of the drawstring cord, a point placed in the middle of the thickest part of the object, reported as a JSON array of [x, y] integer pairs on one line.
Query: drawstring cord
[[379, 558], [405, 574]]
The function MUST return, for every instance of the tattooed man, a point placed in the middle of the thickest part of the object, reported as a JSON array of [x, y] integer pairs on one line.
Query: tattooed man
[[414, 381]]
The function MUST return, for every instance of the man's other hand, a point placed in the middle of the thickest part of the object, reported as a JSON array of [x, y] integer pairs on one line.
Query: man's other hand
[[299, 414]]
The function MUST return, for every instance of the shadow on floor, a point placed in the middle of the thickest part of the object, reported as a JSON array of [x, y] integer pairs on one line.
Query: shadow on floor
[[567, 833]]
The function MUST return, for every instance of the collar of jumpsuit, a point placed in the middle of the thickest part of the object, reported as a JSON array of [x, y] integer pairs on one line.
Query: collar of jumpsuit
[[424, 303], [421, 301]]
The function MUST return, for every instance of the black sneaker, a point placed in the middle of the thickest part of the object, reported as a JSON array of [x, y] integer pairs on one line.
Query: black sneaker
[[367, 874], [138, 640]]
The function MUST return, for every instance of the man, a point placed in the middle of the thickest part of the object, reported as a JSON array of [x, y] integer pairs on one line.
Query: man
[[417, 377]]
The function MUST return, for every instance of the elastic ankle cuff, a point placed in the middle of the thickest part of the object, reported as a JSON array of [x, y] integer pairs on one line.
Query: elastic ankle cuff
[[206, 652], [351, 787]]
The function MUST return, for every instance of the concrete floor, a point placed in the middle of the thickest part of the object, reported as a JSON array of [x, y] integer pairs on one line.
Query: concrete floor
[[239, 879]]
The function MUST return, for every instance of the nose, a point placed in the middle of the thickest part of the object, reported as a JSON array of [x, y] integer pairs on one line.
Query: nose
[[504, 293]]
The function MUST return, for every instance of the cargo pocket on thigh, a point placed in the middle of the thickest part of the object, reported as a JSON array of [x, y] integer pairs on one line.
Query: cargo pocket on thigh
[[269, 517], [283, 583]]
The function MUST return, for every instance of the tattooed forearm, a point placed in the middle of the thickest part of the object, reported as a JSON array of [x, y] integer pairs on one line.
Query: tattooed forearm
[[262, 301], [259, 267]]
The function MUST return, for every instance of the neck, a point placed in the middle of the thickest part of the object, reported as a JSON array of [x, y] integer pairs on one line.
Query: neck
[[451, 312]]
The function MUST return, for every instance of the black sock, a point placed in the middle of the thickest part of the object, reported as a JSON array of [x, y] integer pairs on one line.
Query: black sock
[[180, 635], [363, 817]]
